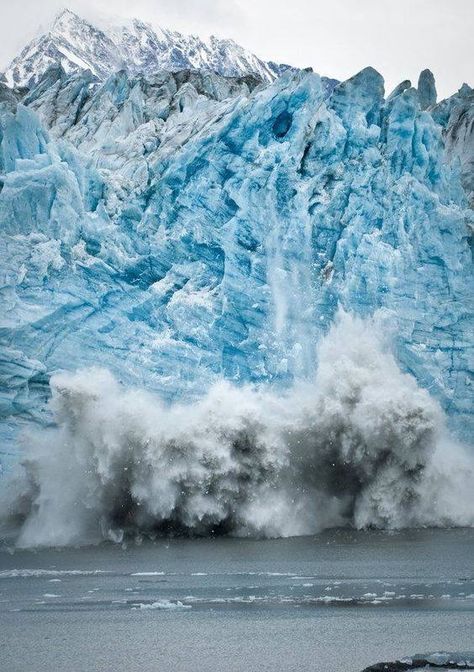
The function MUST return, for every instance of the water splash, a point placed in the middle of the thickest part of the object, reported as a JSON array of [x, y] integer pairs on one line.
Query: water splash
[[361, 445]]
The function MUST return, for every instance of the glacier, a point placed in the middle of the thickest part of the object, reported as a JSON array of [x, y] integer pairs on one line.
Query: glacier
[[206, 239]]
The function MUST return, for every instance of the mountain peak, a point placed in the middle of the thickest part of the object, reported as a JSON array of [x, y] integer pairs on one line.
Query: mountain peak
[[66, 20], [76, 44], [65, 15]]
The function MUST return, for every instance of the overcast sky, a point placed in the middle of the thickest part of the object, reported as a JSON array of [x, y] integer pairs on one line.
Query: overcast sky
[[335, 37]]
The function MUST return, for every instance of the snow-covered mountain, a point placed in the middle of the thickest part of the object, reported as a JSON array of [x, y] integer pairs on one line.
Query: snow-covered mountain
[[133, 45]]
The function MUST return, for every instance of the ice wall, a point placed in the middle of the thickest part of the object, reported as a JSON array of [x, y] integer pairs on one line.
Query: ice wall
[[186, 228]]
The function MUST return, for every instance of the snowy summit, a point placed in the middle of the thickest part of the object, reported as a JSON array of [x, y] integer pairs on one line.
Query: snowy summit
[[134, 45]]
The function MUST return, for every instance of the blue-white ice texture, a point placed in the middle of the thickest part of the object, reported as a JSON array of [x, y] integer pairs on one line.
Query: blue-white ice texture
[[232, 256]]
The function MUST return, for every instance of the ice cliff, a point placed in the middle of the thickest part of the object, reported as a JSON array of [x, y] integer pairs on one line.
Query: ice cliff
[[186, 228]]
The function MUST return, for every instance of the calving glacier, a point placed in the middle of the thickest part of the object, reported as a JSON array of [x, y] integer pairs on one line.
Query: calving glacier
[[234, 306], [361, 444]]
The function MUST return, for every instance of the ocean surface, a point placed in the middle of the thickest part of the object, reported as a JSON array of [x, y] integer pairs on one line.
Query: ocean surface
[[335, 602]]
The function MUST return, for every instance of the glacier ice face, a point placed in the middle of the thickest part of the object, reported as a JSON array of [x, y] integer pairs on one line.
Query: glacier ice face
[[186, 228], [456, 115], [216, 204], [124, 121]]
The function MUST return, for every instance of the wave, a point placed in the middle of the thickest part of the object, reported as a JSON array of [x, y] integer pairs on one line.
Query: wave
[[360, 445]]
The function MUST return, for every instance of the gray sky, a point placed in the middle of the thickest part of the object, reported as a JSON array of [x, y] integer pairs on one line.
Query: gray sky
[[336, 37]]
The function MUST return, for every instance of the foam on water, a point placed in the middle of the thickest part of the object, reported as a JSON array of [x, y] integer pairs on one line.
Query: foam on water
[[40, 573], [163, 604], [362, 444]]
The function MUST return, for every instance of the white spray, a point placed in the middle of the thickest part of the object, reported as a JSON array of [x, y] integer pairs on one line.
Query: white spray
[[362, 445]]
